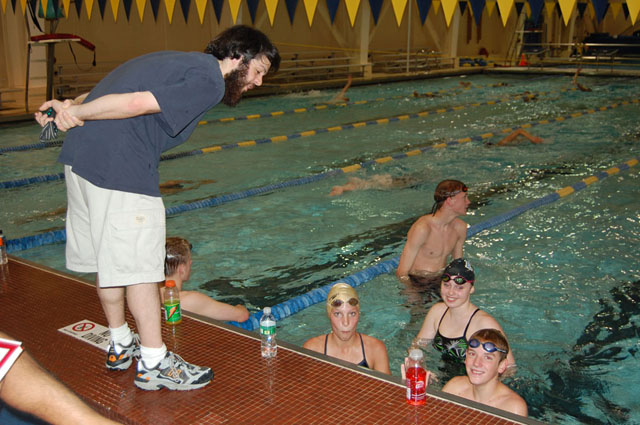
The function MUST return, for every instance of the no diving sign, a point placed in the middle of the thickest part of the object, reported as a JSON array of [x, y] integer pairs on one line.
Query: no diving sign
[[91, 332]]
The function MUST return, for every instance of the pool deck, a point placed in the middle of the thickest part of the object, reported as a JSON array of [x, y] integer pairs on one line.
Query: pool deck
[[297, 387]]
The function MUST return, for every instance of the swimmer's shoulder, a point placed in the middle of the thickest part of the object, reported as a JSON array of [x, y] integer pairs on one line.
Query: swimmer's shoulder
[[315, 344]]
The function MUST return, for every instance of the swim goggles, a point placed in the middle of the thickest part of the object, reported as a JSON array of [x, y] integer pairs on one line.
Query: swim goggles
[[489, 347], [338, 302], [459, 280], [455, 192]]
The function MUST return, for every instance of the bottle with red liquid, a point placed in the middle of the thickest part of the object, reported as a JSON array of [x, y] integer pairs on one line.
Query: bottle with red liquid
[[416, 378]]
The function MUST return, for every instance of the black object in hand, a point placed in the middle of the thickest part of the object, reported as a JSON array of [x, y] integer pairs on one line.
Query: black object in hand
[[50, 129]]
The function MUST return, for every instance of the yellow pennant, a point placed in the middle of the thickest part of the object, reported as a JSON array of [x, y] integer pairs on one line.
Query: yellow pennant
[[567, 7], [272, 6], [201, 7], [527, 9], [44, 4], [615, 8], [88, 7], [234, 5], [170, 5], [591, 10], [398, 9], [65, 5], [114, 8], [634, 10], [491, 6], [310, 8], [548, 7], [23, 3], [505, 7], [3, 3], [352, 10], [449, 8], [141, 4], [435, 4]]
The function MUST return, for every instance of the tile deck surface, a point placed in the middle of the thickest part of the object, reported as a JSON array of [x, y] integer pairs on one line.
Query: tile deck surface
[[293, 388]]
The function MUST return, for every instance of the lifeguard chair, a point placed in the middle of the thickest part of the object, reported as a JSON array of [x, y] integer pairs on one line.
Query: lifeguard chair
[[49, 40]]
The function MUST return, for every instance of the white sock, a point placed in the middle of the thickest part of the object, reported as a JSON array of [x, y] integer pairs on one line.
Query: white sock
[[152, 356], [121, 336]]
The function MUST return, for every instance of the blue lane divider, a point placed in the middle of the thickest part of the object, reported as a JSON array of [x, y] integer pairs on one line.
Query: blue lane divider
[[33, 146], [31, 180], [300, 302]]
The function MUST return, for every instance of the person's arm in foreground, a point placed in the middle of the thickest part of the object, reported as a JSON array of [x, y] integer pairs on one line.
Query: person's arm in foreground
[[29, 388]]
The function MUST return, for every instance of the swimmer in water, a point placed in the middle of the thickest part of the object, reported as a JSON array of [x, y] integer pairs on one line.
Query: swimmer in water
[[345, 342]]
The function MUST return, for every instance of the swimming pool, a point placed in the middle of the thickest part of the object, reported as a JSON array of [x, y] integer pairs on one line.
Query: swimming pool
[[552, 277]]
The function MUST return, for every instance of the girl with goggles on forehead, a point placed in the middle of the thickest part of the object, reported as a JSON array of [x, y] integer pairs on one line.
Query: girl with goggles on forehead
[[345, 342], [449, 323]]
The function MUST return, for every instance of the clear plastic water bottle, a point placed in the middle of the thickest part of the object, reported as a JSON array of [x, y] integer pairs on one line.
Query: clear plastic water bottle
[[268, 344], [416, 378], [3, 250], [172, 311]]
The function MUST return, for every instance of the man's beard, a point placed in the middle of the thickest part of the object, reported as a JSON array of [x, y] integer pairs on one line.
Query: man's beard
[[234, 82]]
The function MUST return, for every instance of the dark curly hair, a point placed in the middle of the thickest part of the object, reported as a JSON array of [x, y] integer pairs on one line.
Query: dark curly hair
[[241, 41]]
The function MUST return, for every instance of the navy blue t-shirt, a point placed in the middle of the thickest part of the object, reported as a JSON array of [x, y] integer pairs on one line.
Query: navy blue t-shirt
[[124, 154]]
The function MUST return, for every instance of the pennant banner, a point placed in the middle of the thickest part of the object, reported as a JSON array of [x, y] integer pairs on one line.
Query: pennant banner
[[292, 5], [217, 8], [115, 4], [234, 5], [102, 4], [310, 9], [376, 6], [398, 9], [332, 5], [88, 6], [536, 9], [253, 8], [352, 10], [634, 10], [615, 8], [505, 7], [567, 7], [127, 8], [423, 9], [477, 6], [185, 6], [272, 6], [600, 7], [595, 9]]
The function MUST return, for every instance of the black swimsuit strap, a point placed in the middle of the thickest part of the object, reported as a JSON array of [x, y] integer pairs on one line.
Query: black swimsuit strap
[[440, 322], [364, 356], [326, 338], [464, 334]]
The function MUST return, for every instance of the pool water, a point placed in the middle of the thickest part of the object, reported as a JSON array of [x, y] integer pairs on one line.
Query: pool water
[[563, 280]]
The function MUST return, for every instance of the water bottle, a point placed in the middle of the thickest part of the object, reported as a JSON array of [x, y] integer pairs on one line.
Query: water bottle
[[172, 312], [3, 250], [268, 344], [416, 378]]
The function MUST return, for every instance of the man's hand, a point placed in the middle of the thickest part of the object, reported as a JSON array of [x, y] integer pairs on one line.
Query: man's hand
[[65, 119]]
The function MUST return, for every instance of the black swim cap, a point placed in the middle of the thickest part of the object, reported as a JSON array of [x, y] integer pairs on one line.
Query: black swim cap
[[461, 267]]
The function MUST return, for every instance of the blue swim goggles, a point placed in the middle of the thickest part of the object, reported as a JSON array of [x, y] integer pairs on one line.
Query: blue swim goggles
[[489, 347]]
